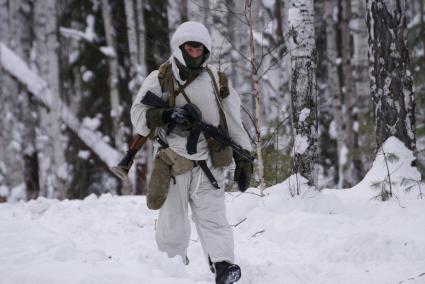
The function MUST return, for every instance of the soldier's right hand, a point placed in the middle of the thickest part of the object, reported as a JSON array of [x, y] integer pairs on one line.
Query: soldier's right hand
[[184, 116]]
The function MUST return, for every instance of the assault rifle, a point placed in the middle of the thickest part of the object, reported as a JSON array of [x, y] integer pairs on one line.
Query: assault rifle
[[150, 99]]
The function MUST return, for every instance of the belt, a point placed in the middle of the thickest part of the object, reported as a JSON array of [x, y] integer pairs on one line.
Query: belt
[[201, 163]]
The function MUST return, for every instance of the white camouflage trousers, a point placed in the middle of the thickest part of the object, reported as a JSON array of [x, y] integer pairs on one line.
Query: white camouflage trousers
[[208, 214]]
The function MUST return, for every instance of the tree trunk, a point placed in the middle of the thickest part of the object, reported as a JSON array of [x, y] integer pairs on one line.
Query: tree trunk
[[391, 81], [350, 174], [113, 76], [334, 86], [53, 167], [22, 32], [303, 89], [254, 74], [135, 76], [184, 12], [157, 46], [364, 135], [11, 137]]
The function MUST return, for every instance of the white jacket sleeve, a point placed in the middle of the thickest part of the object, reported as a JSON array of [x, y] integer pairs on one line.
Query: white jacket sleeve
[[138, 110], [232, 109]]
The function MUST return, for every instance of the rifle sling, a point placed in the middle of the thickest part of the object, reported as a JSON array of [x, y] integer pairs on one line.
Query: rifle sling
[[208, 173]]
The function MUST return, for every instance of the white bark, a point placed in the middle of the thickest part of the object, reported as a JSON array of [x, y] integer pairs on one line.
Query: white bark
[[10, 126], [135, 64], [21, 25], [254, 78], [113, 77], [349, 172], [363, 101], [334, 84], [47, 60], [303, 89], [141, 37]]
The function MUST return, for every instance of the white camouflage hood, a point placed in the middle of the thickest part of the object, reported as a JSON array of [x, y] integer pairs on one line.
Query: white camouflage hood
[[189, 31]]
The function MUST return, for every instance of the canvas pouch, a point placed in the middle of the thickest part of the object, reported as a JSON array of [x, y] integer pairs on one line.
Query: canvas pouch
[[221, 155], [167, 164]]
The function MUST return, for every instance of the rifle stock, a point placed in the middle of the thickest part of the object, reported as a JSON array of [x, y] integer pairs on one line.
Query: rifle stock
[[121, 170]]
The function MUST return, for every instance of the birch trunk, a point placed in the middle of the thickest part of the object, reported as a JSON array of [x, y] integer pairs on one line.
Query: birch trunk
[[53, 167], [254, 74], [130, 10], [21, 25], [334, 85], [303, 89], [346, 162], [140, 35], [184, 12], [11, 143], [113, 76], [422, 23], [135, 31], [391, 81], [157, 48], [365, 136]]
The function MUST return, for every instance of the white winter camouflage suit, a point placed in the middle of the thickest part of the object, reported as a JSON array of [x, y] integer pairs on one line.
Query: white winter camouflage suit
[[194, 188]]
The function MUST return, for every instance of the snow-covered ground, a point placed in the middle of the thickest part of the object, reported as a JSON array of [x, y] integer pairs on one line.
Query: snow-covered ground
[[335, 236]]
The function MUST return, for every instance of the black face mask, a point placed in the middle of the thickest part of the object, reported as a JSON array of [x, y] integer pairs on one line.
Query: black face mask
[[186, 72], [194, 63]]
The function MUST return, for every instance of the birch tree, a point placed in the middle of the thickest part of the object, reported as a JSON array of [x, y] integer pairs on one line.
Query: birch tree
[[363, 102], [157, 41], [21, 26], [334, 85], [255, 79], [11, 139], [116, 109], [303, 88], [52, 167], [391, 81], [347, 156]]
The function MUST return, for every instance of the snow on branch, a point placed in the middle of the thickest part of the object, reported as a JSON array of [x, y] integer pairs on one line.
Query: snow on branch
[[13, 64], [39, 88], [76, 34]]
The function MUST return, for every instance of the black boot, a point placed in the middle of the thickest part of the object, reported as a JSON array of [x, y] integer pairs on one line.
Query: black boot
[[226, 273]]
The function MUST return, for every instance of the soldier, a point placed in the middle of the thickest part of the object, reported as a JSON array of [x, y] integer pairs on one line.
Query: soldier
[[188, 165]]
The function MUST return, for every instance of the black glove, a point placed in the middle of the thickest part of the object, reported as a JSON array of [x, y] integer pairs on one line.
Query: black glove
[[185, 116], [243, 171]]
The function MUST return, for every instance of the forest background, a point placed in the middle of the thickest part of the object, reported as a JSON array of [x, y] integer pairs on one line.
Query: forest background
[[70, 70]]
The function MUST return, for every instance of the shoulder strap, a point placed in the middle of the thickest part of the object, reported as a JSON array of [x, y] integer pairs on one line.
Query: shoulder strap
[[166, 81], [224, 84], [218, 97]]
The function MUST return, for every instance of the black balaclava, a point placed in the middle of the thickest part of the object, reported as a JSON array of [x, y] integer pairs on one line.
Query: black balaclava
[[193, 65]]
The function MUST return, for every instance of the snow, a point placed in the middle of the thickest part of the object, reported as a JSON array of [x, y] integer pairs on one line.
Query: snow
[[333, 133], [76, 34], [327, 237], [73, 57], [301, 144], [343, 155], [88, 76], [305, 112], [108, 51], [39, 88], [269, 3], [91, 123], [4, 191], [18, 68], [83, 154]]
